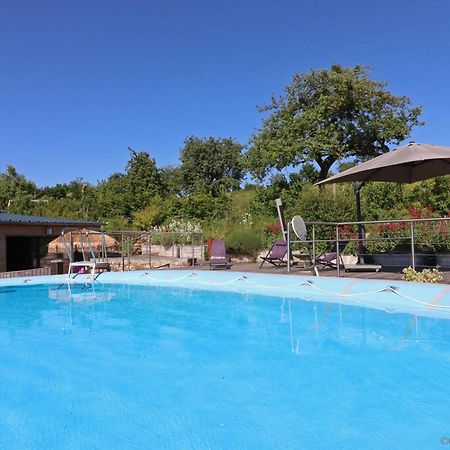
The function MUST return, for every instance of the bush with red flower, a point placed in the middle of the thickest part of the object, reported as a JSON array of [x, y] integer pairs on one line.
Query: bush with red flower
[[429, 236]]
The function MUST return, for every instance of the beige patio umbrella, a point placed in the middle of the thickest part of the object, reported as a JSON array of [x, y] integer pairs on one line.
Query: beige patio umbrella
[[408, 164], [95, 238]]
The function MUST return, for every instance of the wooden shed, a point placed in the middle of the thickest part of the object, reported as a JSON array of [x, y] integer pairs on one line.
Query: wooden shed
[[24, 239]]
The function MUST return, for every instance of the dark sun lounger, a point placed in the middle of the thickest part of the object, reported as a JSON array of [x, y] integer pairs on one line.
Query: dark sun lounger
[[218, 258], [276, 254]]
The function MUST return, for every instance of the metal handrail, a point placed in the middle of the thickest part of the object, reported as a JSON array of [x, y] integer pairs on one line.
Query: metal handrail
[[149, 239], [310, 241], [336, 225], [373, 222]]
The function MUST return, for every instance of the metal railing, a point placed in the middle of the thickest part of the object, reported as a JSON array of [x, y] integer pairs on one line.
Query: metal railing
[[409, 226], [130, 250], [154, 249]]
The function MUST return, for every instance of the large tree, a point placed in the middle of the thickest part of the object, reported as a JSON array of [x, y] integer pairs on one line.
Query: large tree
[[113, 196], [77, 199], [16, 191], [326, 115], [142, 179], [211, 165], [171, 182]]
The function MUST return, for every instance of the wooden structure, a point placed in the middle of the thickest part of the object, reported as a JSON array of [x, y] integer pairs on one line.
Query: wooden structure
[[98, 242], [24, 239]]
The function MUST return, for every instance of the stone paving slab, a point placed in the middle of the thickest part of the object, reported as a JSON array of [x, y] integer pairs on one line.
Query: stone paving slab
[[325, 272]]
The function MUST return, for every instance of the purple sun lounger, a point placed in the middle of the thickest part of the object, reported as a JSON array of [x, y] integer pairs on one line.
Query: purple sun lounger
[[218, 259], [276, 254], [330, 255]]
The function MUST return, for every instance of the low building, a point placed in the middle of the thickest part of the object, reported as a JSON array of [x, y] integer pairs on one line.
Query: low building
[[24, 239]]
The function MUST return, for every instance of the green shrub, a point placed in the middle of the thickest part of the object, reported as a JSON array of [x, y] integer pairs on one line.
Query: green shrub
[[164, 239], [199, 207], [324, 205], [241, 200], [394, 237], [263, 202], [382, 200], [117, 223], [432, 192], [152, 215], [217, 229], [176, 232], [429, 236], [245, 242]]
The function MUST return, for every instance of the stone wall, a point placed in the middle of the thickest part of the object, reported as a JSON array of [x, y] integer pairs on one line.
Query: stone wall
[[176, 251]]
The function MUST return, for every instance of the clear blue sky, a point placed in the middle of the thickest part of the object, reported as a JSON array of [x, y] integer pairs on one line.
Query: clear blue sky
[[83, 80]]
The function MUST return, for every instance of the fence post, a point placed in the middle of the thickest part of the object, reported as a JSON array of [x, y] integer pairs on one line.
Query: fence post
[[202, 247], [193, 250], [314, 245], [288, 241], [413, 256], [71, 246], [129, 253], [122, 252], [149, 248], [338, 262]]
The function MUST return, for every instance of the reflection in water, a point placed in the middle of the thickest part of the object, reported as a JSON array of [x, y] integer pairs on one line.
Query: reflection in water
[[86, 297], [78, 293], [313, 325], [174, 368]]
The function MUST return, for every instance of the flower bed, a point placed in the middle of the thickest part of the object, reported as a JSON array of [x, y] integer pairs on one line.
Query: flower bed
[[429, 237]]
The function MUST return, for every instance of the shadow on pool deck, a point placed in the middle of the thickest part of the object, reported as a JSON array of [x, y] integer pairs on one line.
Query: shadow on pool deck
[[326, 272]]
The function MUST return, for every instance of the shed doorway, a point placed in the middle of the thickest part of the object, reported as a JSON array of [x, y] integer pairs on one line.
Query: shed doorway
[[22, 253]]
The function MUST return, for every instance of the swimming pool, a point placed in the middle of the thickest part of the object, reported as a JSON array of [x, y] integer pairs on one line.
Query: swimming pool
[[173, 360]]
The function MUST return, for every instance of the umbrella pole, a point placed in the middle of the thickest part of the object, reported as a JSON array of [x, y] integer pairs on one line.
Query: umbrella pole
[[361, 234]]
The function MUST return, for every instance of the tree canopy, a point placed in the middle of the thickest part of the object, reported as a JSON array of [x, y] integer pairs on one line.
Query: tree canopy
[[171, 181], [142, 178], [326, 115], [211, 165], [16, 191], [113, 195]]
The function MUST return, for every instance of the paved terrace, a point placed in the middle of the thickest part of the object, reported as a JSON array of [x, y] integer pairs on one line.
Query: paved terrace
[[324, 272]]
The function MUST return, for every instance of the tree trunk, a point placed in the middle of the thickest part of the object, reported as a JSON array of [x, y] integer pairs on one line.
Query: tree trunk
[[324, 166]]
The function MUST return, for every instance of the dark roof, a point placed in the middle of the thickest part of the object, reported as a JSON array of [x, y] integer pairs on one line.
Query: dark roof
[[37, 220]]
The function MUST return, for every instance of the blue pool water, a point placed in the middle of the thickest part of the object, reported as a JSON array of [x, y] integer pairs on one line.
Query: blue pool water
[[142, 367]]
